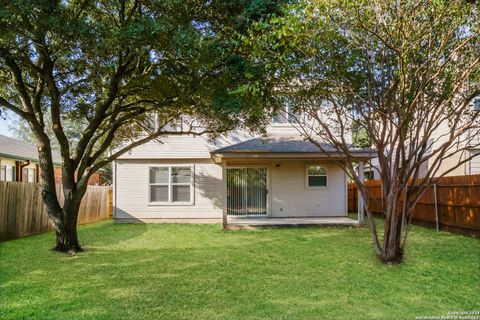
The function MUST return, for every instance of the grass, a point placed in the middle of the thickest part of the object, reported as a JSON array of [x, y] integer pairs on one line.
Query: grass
[[201, 272]]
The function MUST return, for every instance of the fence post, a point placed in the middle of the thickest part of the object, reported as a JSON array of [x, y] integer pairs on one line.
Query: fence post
[[110, 203], [361, 201], [436, 206]]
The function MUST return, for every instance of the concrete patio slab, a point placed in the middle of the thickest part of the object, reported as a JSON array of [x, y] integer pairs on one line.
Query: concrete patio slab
[[235, 223]]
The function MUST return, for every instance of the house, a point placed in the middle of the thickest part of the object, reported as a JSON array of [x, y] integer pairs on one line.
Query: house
[[466, 152], [19, 162], [193, 179]]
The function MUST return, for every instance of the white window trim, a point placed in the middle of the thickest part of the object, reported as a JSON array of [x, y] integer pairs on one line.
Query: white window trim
[[307, 186], [30, 171], [7, 168], [12, 168], [170, 188], [174, 125], [287, 109]]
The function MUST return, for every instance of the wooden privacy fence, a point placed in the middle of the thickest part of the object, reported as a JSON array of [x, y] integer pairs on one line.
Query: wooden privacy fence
[[458, 203], [23, 213]]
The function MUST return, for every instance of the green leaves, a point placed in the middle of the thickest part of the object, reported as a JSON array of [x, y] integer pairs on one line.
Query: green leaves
[[162, 49]]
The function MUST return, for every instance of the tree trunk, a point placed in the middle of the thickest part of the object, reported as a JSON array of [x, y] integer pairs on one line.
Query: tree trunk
[[392, 251], [66, 227], [66, 236]]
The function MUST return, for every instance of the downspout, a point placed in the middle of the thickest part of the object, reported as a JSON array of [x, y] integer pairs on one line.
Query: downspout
[[21, 169]]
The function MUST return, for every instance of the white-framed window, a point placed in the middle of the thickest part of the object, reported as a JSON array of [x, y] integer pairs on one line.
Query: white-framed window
[[29, 175], [7, 173], [286, 115], [316, 176], [158, 121], [369, 175], [175, 125], [171, 184]]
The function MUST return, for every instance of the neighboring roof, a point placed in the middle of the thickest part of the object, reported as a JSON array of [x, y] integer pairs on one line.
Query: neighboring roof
[[22, 150], [284, 145]]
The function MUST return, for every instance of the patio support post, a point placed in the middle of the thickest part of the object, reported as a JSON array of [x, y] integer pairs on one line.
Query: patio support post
[[361, 206], [224, 181]]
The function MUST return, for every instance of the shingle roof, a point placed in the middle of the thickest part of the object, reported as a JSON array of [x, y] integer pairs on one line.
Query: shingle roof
[[17, 149], [279, 145]]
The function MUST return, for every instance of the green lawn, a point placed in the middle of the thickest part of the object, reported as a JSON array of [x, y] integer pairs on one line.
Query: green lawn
[[202, 272]]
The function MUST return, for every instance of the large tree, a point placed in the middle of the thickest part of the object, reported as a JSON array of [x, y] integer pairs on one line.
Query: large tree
[[403, 73], [110, 67]]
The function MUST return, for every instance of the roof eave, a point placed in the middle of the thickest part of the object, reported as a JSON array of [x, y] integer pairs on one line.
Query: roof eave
[[218, 156]]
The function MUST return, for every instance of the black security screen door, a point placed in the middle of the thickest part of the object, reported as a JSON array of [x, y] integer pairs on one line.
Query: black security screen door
[[247, 191]]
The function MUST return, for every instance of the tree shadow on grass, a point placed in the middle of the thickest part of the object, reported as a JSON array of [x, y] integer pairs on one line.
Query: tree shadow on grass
[[183, 276], [139, 271], [104, 234]]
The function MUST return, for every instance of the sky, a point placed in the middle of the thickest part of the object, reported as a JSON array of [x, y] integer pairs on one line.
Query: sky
[[5, 124]]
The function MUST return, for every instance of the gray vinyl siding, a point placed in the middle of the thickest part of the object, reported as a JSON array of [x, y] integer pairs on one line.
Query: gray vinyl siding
[[132, 185], [291, 197], [184, 147], [288, 194], [475, 163], [196, 147]]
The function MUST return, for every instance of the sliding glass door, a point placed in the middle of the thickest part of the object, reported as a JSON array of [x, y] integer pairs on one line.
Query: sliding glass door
[[246, 191]]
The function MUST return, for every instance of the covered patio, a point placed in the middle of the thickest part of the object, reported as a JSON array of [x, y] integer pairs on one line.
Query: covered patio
[[281, 181]]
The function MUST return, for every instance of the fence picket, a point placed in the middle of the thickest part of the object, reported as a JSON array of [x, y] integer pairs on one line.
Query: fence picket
[[458, 203], [22, 212]]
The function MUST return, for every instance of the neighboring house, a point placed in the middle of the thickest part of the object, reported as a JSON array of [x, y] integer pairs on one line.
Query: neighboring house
[[188, 178], [19, 162], [472, 148]]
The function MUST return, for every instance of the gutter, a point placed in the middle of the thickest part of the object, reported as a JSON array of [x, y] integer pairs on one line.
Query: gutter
[[277, 155]]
